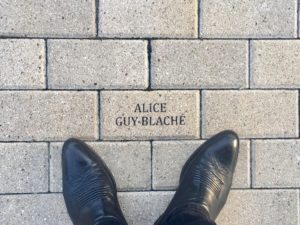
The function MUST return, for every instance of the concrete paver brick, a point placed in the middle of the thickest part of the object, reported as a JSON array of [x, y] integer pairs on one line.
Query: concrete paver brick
[[247, 207], [41, 209], [186, 64], [251, 113], [264, 207], [131, 18], [48, 115], [96, 64], [276, 163], [151, 115], [170, 156], [248, 19], [23, 167], [130, 163], [275, 64], [34, 18], [22, 64]]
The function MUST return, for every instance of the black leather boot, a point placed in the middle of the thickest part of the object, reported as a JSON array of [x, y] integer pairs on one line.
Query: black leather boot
[[205, 182], [89, 188]]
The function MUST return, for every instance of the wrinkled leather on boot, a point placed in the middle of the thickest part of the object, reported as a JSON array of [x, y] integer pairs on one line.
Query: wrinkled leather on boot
[[89, 188], [206, 178]]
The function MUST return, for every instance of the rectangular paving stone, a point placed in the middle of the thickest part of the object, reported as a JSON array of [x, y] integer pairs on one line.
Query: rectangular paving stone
[[199, 64], [48, 115], [130, 18], [247, 207], [41, 209], [276, 163], [140, 208], [244, 207], [264, 207], [144, 208], [130, 163], [22, 64], [169, 158], [34, 18], [248, 19], [96, 64], [23, 167], [274, 64], [140, 115], [251, 113]]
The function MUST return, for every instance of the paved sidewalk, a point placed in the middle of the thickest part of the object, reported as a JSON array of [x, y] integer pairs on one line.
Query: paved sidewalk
[[145, 83]]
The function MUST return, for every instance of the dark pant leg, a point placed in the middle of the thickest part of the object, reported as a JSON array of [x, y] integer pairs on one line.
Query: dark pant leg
[[201, 223], [188, 216], [108, 221]]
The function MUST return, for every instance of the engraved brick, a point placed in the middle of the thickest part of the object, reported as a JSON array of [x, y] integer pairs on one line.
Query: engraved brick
[[252, 114], [96, 64], [138, 115], [22, 64], [169, 158], [199, 64], [41, 209], [274, 64], [248, 19], [130, 18], [264, 207], [276, 163], [23, 167], [48, 115], [34, 18], [130, 163]]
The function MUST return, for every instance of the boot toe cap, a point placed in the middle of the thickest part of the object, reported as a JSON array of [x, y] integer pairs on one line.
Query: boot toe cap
[[227, 147]]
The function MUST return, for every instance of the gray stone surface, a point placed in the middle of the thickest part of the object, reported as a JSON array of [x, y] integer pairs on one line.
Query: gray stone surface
[[276, 163], [96, 64], [247, 207], [248, 19], [141, 52], [188, 64], [130, 163], [126, 115], [34, 18], [131, 18], [48, 115], [23, 167], [169, 158], [264, 207], [252, 114], [144, 208], [275, 64], [41, 209], [22, 64]]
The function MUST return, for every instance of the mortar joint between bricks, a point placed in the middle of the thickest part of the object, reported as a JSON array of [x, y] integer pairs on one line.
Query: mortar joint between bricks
[[46, 64], [151, 162], [249, 63], [149, 53], [49, 167], [299, 113], [297, 19], [97, 17], [252, 164], [198, 18]]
